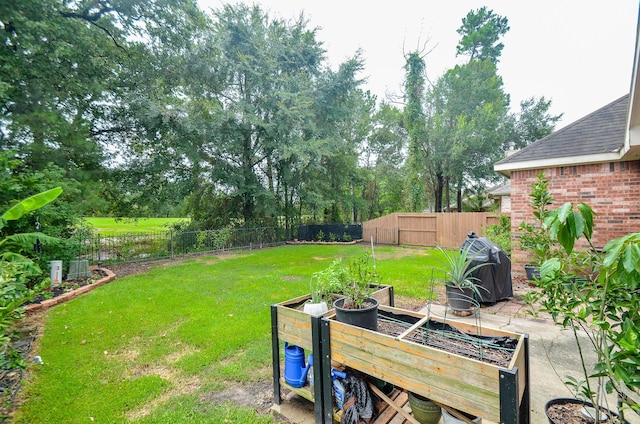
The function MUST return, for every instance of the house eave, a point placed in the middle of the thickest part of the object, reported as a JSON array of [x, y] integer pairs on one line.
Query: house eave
[[507, 168]]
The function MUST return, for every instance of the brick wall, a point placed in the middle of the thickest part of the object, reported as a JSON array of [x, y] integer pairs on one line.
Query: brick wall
[[611, 189]]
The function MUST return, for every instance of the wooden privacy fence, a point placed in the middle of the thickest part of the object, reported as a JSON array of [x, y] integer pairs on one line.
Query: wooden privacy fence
[[448, 230]]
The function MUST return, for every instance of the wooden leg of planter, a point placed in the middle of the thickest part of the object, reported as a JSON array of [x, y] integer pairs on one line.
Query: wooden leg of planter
[[275, 354]]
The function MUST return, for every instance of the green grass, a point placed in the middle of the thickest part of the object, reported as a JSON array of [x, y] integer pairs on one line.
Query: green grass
[[114, 226], [155, 348]]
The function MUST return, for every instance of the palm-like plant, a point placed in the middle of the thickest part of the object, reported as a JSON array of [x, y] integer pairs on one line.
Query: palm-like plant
[[458, 269]]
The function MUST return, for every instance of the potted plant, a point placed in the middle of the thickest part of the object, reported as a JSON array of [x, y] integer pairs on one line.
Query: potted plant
[[535, 237], [316, 305], [461, 288], [596, 293], [356, 282], [322, 283]]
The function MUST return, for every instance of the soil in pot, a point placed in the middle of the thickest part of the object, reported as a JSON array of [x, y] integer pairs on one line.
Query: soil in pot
[[365, 317], [574, 411]]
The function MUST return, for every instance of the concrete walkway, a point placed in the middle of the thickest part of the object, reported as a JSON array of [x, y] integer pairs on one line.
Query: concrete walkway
[[552, 357]]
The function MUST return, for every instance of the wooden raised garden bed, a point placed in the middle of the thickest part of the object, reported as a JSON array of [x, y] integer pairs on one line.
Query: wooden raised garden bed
[[482, 378], [289, 323], [478, 370]]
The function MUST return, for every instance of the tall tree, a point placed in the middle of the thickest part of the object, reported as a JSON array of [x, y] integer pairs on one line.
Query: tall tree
[[533, 122], [467, 112], [61, 84], [480, 35], [414, 116], [385, 163]]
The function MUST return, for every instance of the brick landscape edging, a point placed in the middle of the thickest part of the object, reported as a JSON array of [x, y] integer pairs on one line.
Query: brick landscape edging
[[46, 304]]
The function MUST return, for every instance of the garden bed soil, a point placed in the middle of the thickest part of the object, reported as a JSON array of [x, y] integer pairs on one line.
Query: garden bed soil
[[448, 339]]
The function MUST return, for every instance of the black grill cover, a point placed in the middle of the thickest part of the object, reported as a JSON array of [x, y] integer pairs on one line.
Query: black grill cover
[[494, 279]]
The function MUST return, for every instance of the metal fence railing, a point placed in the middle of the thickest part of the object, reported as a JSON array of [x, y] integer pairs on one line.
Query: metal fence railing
[[131, 247]]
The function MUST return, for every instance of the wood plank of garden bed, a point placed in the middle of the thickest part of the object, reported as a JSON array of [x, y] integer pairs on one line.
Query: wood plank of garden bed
[[460, 382], [294, 325]]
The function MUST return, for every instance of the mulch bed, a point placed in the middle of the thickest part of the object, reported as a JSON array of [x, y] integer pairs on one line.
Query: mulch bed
[[68, 285]]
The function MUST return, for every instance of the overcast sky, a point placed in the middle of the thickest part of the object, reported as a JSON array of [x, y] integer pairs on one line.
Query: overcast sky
[[578, 53]]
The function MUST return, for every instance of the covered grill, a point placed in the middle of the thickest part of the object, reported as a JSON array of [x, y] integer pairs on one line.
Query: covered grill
[[494, 280]]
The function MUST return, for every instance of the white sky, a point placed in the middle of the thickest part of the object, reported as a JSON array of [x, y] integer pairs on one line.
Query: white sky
[[578, 53]]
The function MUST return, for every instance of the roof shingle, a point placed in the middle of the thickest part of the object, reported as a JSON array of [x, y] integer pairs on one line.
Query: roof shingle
[[602, 131]]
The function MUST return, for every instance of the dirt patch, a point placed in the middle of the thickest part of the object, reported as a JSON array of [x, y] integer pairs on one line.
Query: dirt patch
[[401, 252], [408, 303], [257, 395]]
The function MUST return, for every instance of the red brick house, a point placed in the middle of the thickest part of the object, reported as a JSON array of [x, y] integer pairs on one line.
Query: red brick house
[[595, 160]]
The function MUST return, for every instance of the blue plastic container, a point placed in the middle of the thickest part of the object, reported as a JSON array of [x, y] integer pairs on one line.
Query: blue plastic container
[[295, 370]]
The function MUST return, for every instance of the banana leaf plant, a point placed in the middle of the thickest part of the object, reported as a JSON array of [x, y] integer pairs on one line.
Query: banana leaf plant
[[16, 270]]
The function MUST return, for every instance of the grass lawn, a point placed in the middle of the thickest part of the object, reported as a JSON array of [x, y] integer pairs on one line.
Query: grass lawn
[[171, 345], [114, 226]]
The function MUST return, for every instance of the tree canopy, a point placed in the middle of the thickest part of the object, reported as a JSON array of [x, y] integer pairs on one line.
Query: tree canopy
[[235, 118]]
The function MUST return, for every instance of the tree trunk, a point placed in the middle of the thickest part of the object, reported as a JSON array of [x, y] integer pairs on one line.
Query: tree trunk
[[447, 190], [438, 192]]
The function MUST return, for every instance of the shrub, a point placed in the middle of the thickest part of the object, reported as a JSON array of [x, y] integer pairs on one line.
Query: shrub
[[500, 233]]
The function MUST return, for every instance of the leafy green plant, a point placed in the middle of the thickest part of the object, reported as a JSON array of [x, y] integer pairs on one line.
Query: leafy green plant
[[320, 236], [598, 293], [346, 237], [500, 233], [222, 238], [332, 237], [15, 272], [457, 269], [329, 280], [535, 237], [357, 279]]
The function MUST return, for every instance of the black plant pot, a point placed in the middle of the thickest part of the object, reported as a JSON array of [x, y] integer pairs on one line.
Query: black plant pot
[[533, 272], [366, 317], [460, 299], [566, 401]]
